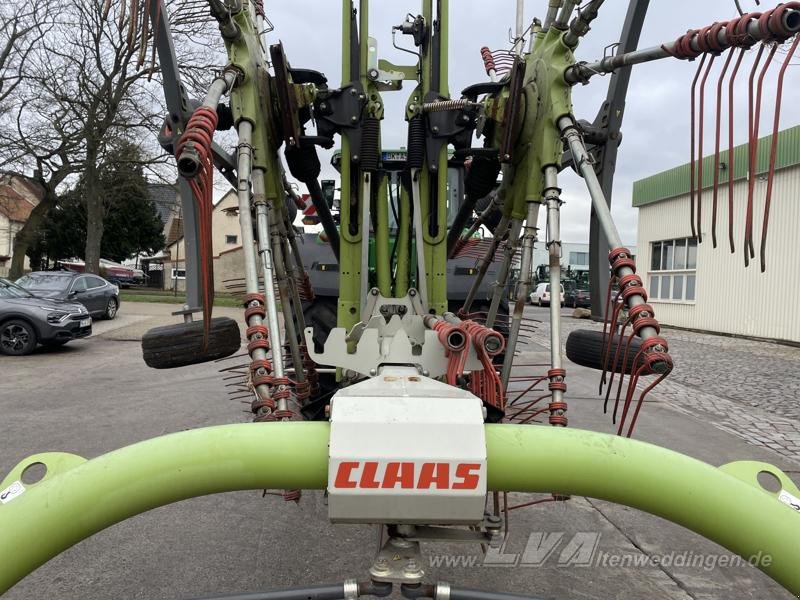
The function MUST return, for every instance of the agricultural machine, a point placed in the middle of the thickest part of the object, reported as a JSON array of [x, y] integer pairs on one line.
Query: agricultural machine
[[404, 403]]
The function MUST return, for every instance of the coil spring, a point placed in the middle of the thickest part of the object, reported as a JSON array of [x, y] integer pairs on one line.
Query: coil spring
[[482, 176], [444, 105], [488, 61], [303, 162], [370, 144], [415, 156]]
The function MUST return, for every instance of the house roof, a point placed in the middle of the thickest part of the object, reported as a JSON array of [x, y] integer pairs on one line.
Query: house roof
[[675, 182], [166, 199], [13, 205]]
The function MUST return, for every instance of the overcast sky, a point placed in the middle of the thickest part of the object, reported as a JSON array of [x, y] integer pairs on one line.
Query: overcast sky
[[656, 125]]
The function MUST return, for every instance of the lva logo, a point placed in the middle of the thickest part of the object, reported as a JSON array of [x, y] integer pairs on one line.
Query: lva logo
[[407, 475]]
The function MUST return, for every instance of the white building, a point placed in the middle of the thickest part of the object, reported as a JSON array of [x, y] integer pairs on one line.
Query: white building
[[693, 285]]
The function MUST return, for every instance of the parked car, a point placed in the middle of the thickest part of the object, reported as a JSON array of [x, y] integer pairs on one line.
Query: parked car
[[541, 295], [100, 297], [577, 298], [26, 320]]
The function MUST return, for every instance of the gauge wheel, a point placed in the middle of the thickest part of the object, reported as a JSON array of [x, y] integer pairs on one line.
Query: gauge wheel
[[17, 338], [111, 308]]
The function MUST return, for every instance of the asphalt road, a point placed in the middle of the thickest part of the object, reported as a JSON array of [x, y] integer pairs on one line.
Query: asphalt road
[[95, 395]]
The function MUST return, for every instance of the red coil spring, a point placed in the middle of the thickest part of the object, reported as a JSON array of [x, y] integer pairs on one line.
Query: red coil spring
[[488, 61], [557, 409], [198, 136]]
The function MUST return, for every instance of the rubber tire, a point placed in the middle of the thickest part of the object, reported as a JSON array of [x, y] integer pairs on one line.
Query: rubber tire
[[585, 347], [28, 347], [106, 314], [321, 314], [181, 344]]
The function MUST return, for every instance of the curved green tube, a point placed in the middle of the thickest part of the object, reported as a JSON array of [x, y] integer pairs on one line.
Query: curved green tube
[[78, 498]]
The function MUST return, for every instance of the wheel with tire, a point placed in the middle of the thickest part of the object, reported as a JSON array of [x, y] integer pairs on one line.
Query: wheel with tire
[[17, 338], [585, 347], [540, 302], [182, 344], [111, 308]]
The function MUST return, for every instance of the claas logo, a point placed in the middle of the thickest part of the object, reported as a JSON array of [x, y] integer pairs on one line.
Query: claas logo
[[407, 475]]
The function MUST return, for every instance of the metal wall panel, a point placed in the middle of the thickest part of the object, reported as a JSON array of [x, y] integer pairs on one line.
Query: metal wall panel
[[729, 297]]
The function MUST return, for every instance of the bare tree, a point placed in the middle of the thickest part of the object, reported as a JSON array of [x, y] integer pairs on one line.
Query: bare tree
[[88, 81]]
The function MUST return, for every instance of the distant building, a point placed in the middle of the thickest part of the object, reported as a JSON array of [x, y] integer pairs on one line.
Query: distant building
[[19, 195], [574, 255], [226, 245], [696, 286]]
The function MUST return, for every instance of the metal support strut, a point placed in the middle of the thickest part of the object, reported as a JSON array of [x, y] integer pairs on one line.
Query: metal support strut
[[557, 373]]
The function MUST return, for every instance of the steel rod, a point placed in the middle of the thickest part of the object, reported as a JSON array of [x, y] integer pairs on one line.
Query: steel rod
[[500, 284], [523, 287], [552, 197], [422, 276], [365, 202], [567, 8], [584, 164], [552, 13], [244, 171], [488, 258], [267, 269], [289, 325], [582, 72]]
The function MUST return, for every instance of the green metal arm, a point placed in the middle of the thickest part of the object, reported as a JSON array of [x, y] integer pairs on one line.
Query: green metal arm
[[78, 498]]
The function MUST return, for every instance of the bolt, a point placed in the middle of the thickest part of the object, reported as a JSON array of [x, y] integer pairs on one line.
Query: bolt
[[323, 106], [374, 291], [411, 566], [354, 119], [353, 91], [412, 293], [381, 564], [435, 129], [373, 372], [506, 156], [355, 157]]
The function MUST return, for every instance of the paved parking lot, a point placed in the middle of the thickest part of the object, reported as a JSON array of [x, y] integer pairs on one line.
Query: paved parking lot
[[96, 395]]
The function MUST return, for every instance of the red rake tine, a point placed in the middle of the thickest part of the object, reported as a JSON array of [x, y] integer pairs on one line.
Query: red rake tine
[[692, 141], [700, 149], [731, 161], [749, 252], [716, 149], [773, 151]]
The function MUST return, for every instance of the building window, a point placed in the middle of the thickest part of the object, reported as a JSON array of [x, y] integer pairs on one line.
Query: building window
[[579, 259], [231, 239], [673, 265], [178, 273]]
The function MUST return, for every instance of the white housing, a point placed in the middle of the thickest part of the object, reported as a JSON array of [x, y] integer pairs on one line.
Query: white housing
[[406, 449]]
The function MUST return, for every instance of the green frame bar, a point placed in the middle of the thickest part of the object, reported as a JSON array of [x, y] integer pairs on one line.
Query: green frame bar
[[78, 499]]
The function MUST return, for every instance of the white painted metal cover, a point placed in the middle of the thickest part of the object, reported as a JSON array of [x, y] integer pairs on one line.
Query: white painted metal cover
[[406, 449]]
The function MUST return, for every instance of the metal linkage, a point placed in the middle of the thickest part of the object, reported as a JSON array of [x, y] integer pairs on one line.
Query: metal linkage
[[653, 354], [350, 589], [523, 287], [488, 258], [581, 24], [778, 24], [196, 163], [292, 340], [256, 308], [499, 289], [556, 374]]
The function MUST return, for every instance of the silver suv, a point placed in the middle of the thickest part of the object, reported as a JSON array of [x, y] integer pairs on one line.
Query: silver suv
[[26, 320]]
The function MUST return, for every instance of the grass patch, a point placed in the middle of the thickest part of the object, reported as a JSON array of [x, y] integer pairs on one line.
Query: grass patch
[[168, 297]]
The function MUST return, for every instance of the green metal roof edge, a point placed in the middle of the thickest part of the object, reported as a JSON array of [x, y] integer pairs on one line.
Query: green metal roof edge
[[675, 182]]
